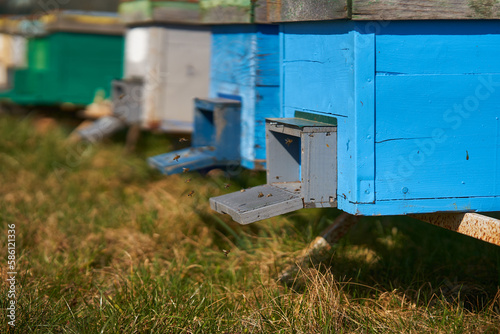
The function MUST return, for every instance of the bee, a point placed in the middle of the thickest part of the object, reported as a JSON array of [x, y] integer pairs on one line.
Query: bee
[[191, 193], [182, 140], [121, 96], [226, 252], [185, 170], [269, 195], [188, 180], [227, 185], [288, 141], [277, 177], [176, 158], [242, 190], [260, 195]]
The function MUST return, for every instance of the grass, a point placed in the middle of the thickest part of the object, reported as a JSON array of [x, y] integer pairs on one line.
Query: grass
[[105, 245]]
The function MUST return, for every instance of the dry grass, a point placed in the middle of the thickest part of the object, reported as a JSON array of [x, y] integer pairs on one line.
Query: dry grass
[[106, 245]]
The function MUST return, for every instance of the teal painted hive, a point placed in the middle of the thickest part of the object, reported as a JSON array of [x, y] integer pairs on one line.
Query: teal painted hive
[[67, 66]]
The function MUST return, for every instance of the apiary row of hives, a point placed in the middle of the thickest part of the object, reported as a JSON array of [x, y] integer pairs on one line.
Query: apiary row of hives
[[373, 107]]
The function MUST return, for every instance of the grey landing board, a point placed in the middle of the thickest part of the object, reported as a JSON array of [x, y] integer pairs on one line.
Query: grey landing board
[[257, 203]]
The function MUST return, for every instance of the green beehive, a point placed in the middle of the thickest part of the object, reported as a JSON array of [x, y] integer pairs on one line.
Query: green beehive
[[75, 57]]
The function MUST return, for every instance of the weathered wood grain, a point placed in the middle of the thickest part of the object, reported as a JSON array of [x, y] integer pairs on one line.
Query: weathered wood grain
[[425, 10], [245, 60], [186, 15], [226, 11], [178, 11], [305, 10], [81, 22]]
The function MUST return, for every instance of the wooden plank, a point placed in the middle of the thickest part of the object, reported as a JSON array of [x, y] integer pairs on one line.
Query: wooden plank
[[187, 14], [319, 168], [256, 203], [83, 22], [362, 119], [304, 10], [443, 142], [232, 54], [410, 206], [425, 10], [317, 68], [460, 47], [226, 11], [472, 224], [180, 11], [187, 58]]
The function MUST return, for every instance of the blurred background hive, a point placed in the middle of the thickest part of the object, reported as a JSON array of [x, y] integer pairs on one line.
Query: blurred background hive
[[71, 57]]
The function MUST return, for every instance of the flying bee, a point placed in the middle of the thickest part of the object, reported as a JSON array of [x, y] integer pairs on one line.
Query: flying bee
[[227, 185], [226, 252], [260, 195], [288, 141], [191, 193], [182, 140], [185, 170], [176, 158], [188, 180], [121, 96]]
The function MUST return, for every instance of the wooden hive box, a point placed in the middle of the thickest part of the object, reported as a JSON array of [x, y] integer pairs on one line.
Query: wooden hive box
[[12, 50], [244, 67], [70, 57], [414, 89], [169, 51]]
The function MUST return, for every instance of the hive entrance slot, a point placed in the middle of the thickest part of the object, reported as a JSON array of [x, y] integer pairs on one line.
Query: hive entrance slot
[[302, 156], [215, 141], [301, 172]]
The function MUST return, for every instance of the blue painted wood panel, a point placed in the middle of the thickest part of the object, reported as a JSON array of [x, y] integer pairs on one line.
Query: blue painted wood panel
[[402, 207], [317, 67], [438, 47], [417, 105], [245, 65], [437, 142]]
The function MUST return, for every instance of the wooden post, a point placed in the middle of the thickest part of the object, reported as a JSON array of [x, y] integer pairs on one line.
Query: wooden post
[[471, 224]]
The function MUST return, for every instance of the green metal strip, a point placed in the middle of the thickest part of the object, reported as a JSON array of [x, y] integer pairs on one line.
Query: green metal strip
[[316, 117]]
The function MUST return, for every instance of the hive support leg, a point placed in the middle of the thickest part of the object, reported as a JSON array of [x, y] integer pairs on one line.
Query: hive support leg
[[133, 134], [316, 250], [471, 224]]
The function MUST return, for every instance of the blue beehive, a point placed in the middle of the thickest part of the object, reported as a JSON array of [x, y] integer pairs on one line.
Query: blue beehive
[[416, 107], [244, 69]]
